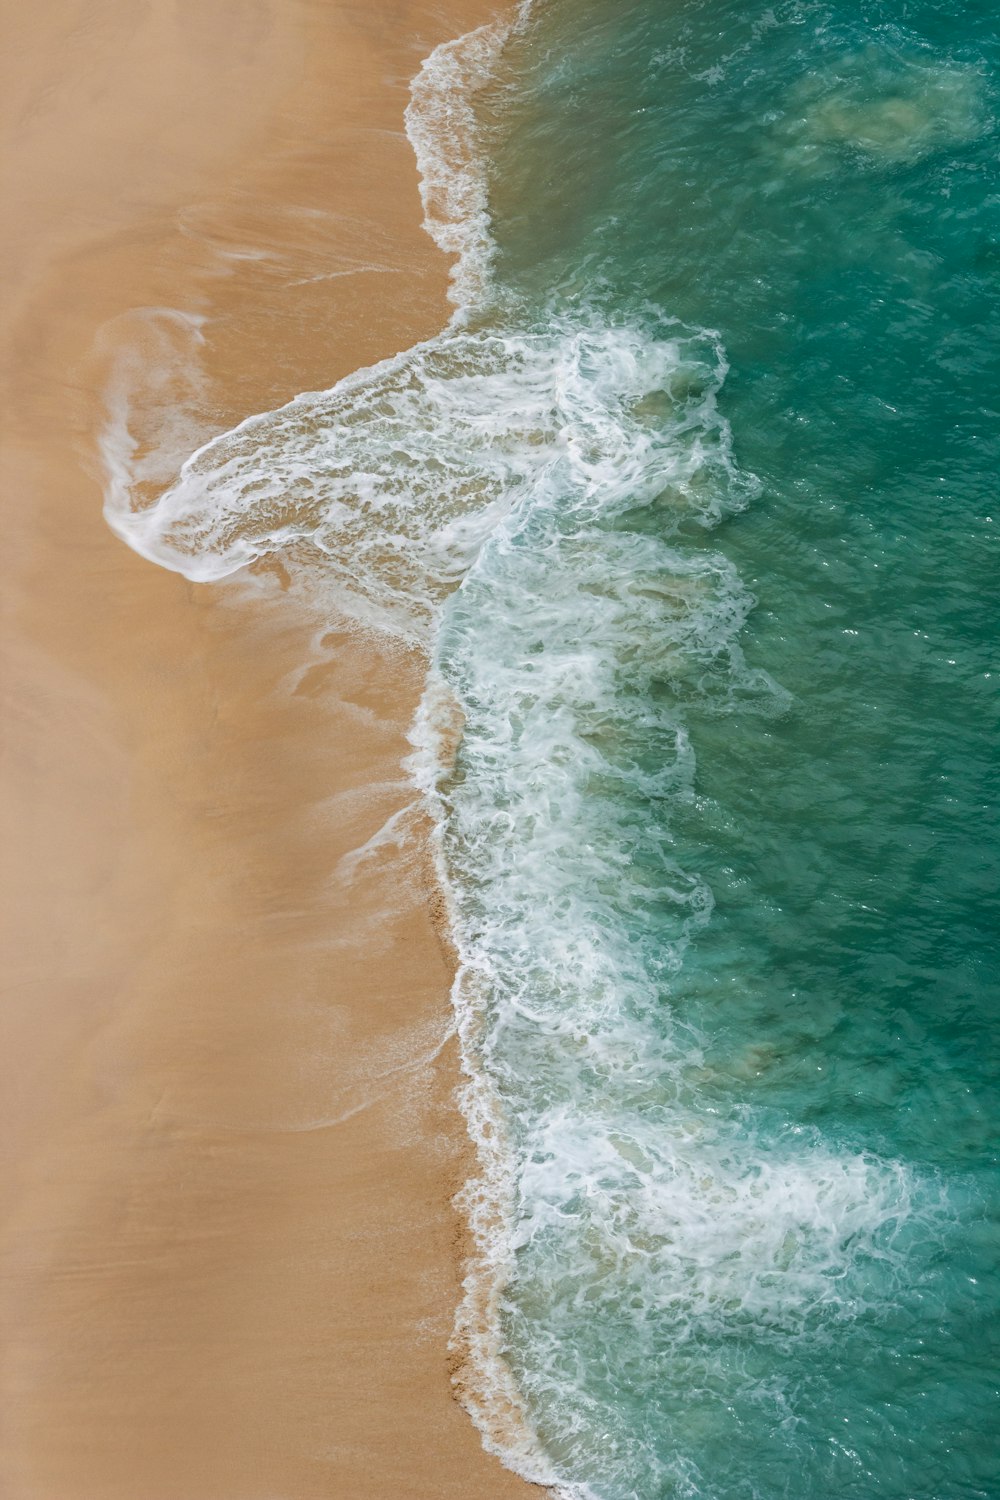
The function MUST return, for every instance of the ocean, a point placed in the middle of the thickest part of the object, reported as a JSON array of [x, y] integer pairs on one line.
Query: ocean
[[692, 508]]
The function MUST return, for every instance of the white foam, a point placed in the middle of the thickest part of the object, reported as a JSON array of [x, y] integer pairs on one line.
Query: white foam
[[395, 477], [443, 129]]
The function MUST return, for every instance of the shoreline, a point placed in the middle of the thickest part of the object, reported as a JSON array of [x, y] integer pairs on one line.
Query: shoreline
[[228, 1245]]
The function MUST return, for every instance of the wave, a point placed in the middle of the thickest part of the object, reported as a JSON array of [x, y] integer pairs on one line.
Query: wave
[[615, 1197], [516, 497]]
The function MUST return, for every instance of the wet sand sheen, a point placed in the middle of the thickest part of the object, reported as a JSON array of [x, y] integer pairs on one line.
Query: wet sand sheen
[[228, 1256]]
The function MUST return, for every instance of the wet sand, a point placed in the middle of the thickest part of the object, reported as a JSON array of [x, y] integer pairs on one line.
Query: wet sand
[[228, 1260]]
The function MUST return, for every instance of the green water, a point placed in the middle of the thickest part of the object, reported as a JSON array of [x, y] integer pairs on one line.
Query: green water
[[819, 183]]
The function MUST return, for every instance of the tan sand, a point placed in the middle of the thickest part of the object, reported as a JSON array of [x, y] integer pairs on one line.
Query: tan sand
[[228, 1261]]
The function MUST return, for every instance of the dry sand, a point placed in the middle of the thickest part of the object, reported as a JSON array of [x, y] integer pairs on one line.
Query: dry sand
[[228, 1259]]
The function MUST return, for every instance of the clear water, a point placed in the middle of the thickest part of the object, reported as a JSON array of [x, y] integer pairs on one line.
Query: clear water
[[693, 508]]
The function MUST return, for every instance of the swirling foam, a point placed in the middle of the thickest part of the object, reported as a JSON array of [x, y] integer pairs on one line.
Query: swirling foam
[[395, 477]]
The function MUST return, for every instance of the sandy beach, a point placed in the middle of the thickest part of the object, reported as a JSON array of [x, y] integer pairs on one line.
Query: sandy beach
[[228, 1257]]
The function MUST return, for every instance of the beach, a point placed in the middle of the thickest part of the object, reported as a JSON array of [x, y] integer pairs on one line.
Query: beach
[[499, 788], [230, 1261]]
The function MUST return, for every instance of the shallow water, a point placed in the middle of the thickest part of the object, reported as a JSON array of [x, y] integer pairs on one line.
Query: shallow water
[[692, 508]]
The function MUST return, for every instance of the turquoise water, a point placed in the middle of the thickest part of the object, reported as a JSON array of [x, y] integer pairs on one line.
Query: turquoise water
[[744, 994], [693, 509]]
